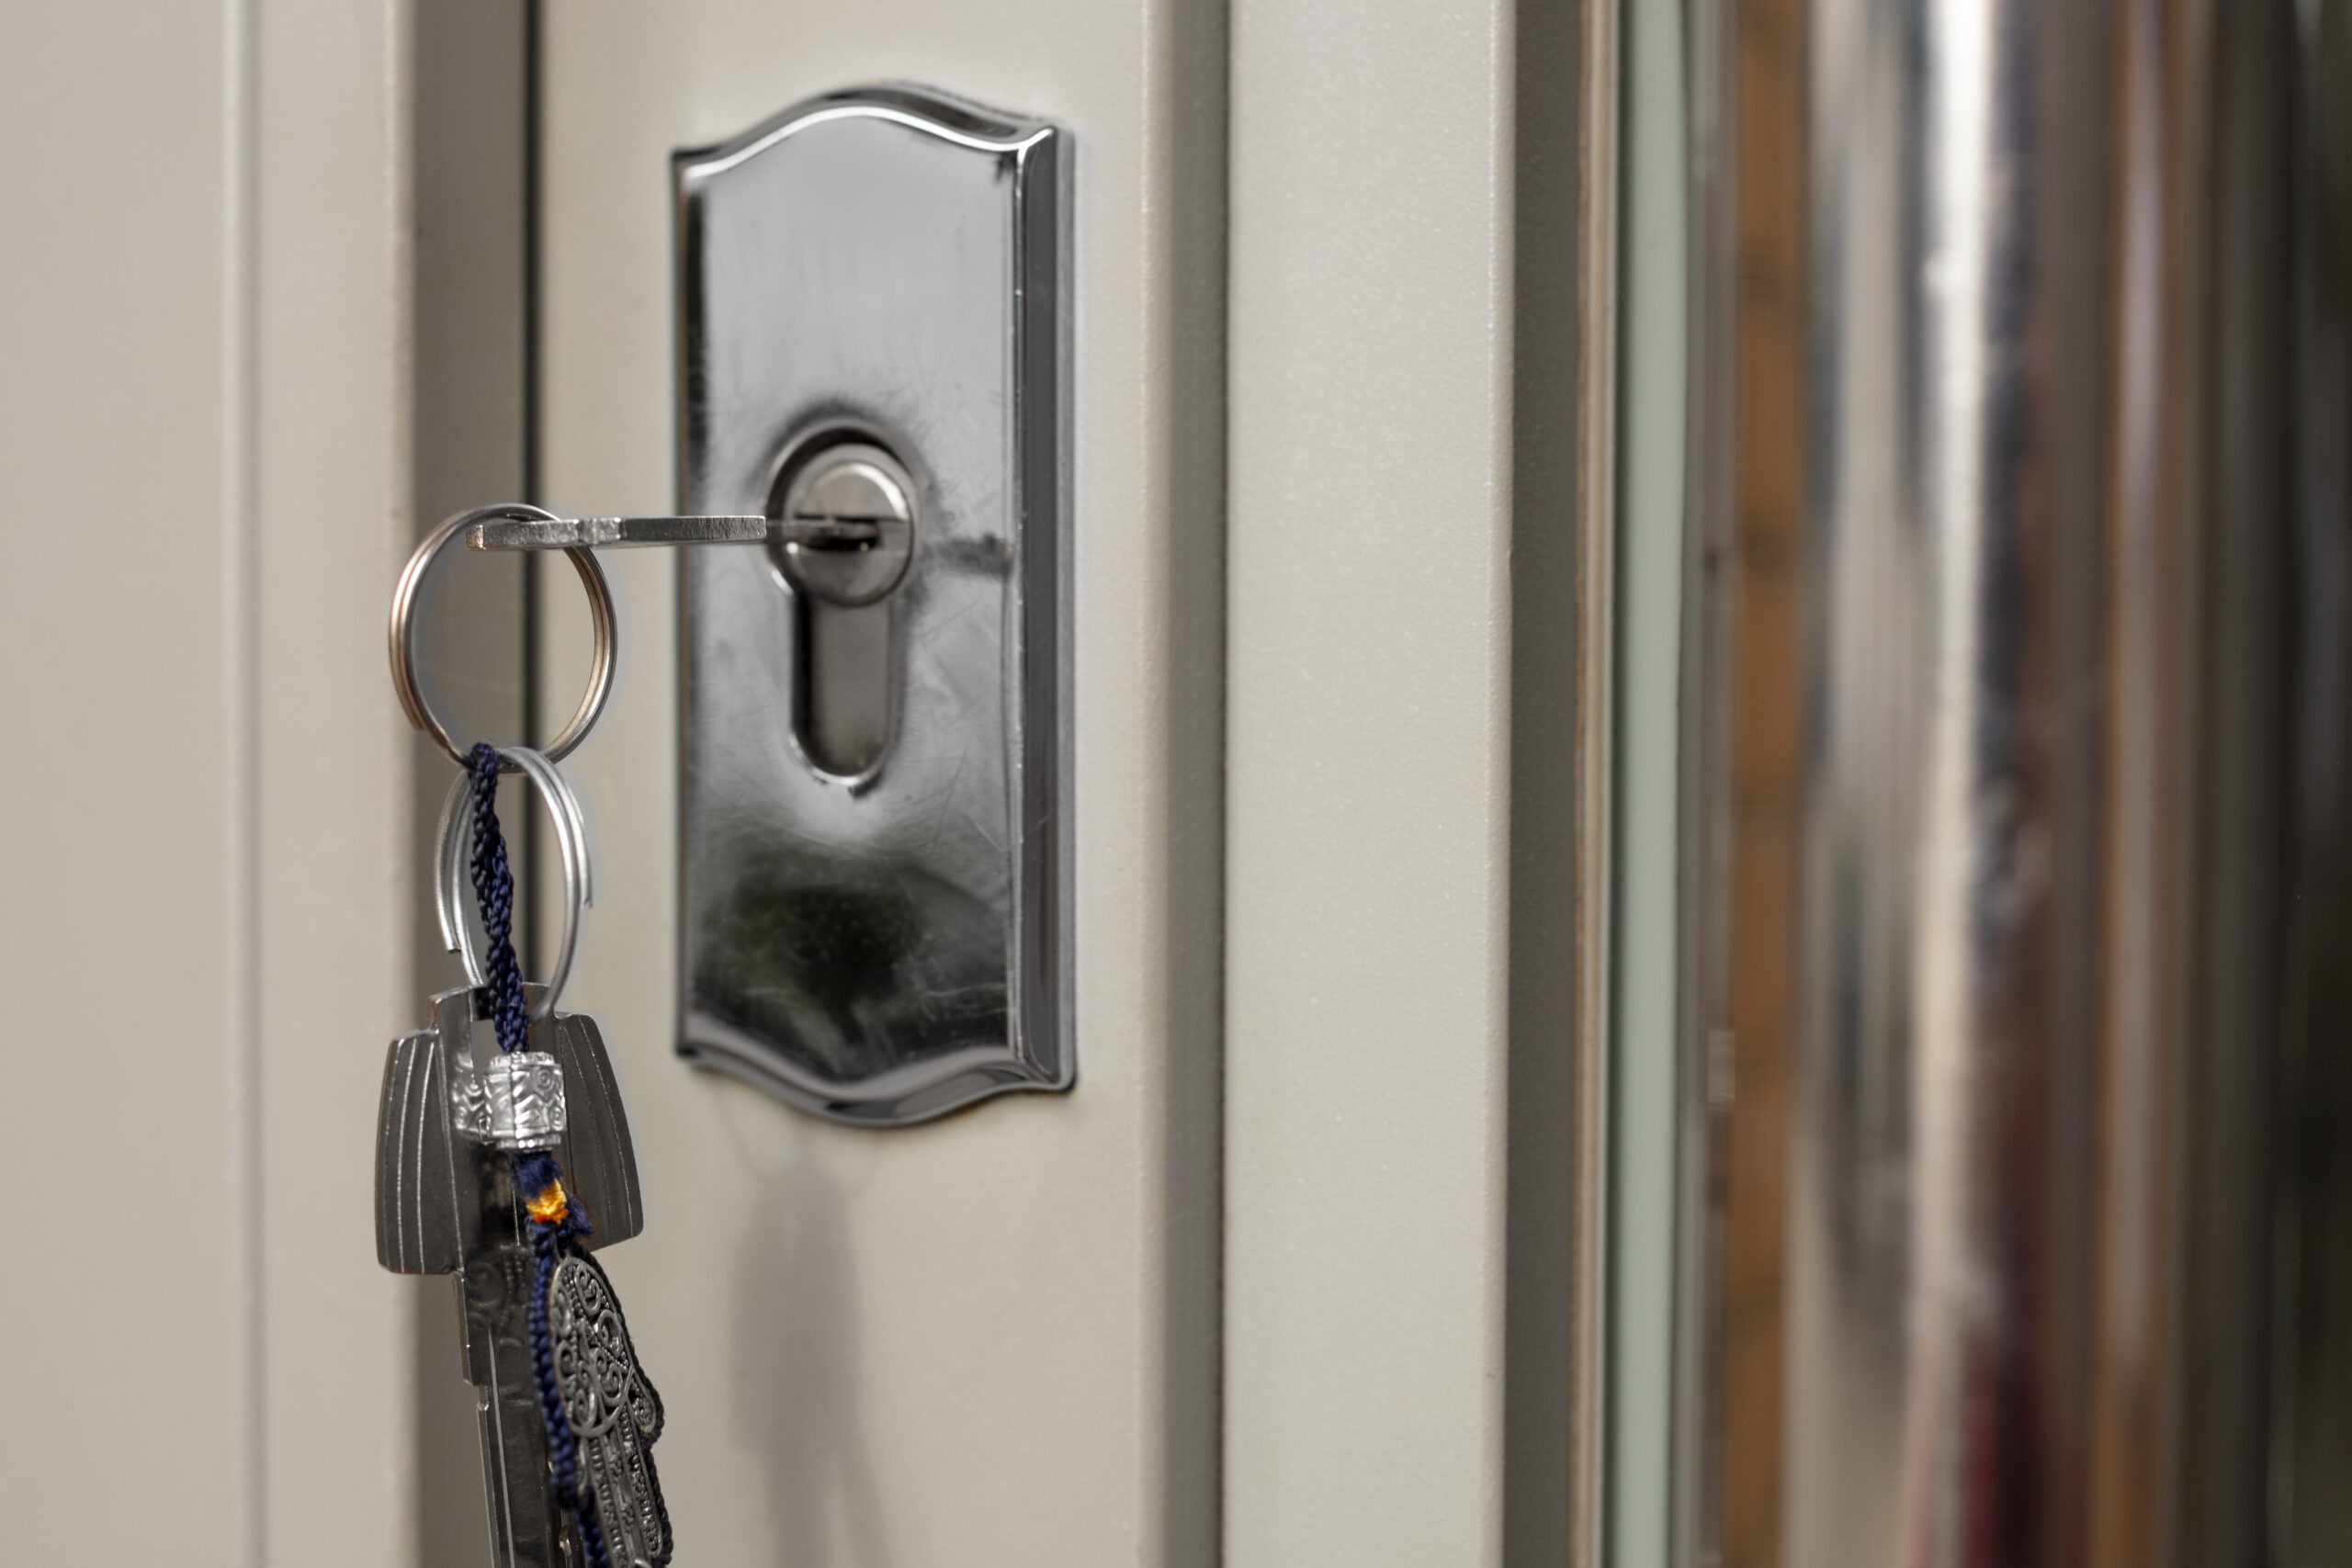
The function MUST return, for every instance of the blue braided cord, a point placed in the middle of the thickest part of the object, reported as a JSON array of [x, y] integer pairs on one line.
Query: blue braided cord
[[591, 1534], [563, 1445], [551, 1240], [535, 1171], [495, 889]]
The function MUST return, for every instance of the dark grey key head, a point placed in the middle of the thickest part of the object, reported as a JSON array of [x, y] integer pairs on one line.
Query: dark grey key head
[[418, 1203], [431, 1181], [599, 1155]]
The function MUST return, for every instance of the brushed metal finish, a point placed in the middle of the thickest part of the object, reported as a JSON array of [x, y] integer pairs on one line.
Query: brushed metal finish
[[417, 1173], [550, 531], [553, 532], [883, 265]]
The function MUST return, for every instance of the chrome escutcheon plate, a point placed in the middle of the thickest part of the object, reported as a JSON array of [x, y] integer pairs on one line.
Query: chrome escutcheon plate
[[885, 265]]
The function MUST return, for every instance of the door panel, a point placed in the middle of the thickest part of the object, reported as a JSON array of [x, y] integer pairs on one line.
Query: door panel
[[1370, 506], [280, 310], [991, 1338], [1417, 665], [201, 465]]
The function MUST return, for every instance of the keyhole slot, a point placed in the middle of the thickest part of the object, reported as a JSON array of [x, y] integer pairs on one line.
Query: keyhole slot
[[854, 503]]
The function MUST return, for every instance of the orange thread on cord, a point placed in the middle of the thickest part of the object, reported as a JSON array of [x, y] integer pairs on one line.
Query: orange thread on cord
[[550, 1205]]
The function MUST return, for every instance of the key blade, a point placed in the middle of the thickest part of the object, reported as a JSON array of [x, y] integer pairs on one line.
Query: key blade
[[526, 1529], [634, 533], [829, 533], [615, 533]]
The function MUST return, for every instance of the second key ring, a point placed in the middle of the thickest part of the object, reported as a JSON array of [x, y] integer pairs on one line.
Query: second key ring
[[575, 846], [418, 579]]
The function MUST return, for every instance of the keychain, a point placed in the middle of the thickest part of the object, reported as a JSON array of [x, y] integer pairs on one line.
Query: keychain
[[504, 1168]]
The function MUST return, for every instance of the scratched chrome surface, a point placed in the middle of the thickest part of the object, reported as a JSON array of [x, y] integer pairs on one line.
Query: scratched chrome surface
[[2048, 1207], [886, 947]]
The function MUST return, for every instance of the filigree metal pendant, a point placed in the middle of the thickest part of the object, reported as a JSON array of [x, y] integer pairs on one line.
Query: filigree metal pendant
[[615, 1413]]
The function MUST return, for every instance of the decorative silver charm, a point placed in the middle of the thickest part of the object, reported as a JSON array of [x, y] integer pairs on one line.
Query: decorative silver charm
[[615, 1413], [516, 1103]]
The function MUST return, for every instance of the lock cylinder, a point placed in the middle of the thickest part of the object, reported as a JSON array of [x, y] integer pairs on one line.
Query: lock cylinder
[[852, 506]]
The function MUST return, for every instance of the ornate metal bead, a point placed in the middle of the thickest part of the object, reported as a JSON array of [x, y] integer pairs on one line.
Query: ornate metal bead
[[516, 1103]]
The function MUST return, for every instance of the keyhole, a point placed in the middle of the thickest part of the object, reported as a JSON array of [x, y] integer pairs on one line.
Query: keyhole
[[853, 507]]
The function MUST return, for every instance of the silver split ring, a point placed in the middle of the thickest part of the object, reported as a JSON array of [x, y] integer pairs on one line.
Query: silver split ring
[[575, 846], [418, 579]]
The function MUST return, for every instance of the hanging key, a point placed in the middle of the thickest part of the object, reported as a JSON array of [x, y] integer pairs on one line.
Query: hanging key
[[447, 1204], [501, 1161]]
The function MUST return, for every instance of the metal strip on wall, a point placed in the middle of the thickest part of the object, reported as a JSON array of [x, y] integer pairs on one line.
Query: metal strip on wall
[[2019, 637]]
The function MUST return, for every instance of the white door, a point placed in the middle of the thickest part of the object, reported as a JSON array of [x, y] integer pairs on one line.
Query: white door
[[1244, 1291], [1301, 1269], [206, 890]]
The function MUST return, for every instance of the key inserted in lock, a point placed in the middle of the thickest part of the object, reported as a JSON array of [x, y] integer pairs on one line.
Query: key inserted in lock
[[853, 508], [886, 951], [873, 783]]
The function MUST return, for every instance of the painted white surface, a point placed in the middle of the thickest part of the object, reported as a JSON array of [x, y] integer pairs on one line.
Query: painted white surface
[[1367, 807], [334, 875], [204, 917], [960, 1344]]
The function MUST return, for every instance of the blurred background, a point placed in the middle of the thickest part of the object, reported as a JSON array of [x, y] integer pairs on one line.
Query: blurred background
[[2014, 786]]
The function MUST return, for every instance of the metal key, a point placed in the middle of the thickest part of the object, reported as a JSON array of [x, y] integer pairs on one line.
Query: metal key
[[445, 1205]]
